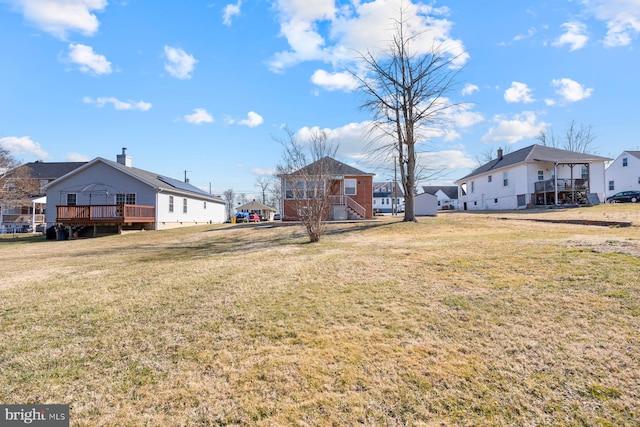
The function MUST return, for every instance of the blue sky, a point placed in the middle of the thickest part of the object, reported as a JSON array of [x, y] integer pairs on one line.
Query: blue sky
[[207, 86]]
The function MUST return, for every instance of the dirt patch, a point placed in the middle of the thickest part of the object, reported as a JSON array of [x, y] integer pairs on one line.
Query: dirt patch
[[602, 245]]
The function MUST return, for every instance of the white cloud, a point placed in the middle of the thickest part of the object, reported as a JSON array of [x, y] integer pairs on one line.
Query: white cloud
[[180, 64], [530, 33], [335, 81], [89, 61], [263, 172], [518, 92], [446, 159], [570, 90], [117, 104], [469, 89], [199, 116], [23, 146], [77, 157], [521, 126], [61, 17], [575, 37], [230, 11], [622, 18], [253, 119], [317, 30]]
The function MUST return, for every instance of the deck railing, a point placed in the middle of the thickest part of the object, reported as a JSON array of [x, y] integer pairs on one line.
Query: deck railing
[[564, 184], [105, 213]]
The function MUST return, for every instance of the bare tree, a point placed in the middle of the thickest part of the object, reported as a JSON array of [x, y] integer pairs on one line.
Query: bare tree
[[242, 198], [488, 155], [230, 197], [406, 92], [263, 183], [307, 175], [16, 183], [275, 193], [577, 138]]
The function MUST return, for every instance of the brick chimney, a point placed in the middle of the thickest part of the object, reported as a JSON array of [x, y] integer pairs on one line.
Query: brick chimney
[[499, 153]]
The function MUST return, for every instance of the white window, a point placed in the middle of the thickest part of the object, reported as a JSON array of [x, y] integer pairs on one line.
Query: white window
[[624, 161], [584, 172], [489, 178], [505, 179], [612, 185], [170, 203], [125, 199], [540, 175], [473, 186], [71, 199], [205, 205], [350, 186], [184, 205], [288, 190]]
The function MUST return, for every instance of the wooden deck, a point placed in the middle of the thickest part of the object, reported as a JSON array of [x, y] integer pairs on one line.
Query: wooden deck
[[104, 214]]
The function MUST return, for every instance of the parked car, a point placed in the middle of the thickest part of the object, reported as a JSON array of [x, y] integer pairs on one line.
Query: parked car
[[277, 217], [254, 217], [624, 197], [242, 217]]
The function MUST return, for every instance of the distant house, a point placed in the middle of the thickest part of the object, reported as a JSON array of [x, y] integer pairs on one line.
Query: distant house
[[104, 196], [388, 197], [447, 195], [623, 174], [534, 176], [264, 211], [425, 204], [33, 177], [351, 190]]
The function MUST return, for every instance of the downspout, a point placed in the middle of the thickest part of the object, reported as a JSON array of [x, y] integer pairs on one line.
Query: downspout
[[33, 216]]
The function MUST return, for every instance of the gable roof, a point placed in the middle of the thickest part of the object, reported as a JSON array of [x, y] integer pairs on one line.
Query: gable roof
[[450, 190], [535, 153], [634, 153], [156, 181], [330, 166]]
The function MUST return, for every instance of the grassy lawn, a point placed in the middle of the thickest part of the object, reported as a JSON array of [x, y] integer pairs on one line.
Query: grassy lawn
[[463, 319]]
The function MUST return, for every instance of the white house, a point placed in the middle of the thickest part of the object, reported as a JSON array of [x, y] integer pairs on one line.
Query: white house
[[105, 196], [532, 176], [447, 195], [425, 204], [623, 174], [386, 199]]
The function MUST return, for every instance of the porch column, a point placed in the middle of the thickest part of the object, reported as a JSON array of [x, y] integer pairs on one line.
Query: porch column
[[555, 181]]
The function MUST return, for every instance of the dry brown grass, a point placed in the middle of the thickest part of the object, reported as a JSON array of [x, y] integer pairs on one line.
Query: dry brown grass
[[463, 319]]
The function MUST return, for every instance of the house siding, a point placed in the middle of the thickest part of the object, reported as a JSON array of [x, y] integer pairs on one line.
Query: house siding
[[495, 196], [115, 181], [625, 178]]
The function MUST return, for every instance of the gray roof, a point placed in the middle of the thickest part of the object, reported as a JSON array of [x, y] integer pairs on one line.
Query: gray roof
[[159, 182], [50, 170], [377, 184], [450, 190], [535, 153], [634, 153], [331, 166]]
